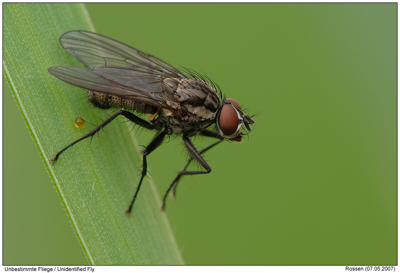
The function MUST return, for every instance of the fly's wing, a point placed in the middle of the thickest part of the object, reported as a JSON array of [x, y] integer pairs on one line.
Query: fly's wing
[[118, 62], [84, 77]]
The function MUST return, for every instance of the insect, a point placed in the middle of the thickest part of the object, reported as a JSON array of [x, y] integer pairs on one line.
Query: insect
[[122, 77]]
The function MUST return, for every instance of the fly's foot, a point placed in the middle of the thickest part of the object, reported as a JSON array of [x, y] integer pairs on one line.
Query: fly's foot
[[53, 160], [173, 192]]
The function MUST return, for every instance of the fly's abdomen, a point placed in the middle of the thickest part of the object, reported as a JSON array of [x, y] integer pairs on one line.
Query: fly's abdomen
[[105, 101]]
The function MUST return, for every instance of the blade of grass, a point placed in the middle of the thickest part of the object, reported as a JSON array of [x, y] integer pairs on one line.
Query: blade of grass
[[96, 179]]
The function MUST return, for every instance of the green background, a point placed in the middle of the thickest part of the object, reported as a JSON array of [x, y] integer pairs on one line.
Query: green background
[[315, 182]]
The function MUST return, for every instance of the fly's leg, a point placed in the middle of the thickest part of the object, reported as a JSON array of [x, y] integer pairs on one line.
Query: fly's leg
[[126, 114], [207, 133], [154, 144], [194, 155], [178, 177]]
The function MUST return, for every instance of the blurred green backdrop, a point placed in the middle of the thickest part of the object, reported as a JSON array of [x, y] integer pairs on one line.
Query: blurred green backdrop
[[315, 182]]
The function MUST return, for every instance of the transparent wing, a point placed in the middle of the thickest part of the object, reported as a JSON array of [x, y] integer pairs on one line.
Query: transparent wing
[[84, 77], [118, 62]]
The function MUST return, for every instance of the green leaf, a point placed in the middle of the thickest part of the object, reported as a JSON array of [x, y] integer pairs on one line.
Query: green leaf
[[96, 179]]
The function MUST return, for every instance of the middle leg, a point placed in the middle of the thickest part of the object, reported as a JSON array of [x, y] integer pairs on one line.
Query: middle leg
[[154, 144]]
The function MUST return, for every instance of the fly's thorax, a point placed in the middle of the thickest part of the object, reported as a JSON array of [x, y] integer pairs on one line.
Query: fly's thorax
[[105, 101], [171, 84], [182, 122], [196, 96]]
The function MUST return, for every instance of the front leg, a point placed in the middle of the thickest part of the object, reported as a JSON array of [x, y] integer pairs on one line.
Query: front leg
[[194, 155], [174, 183], [207, 133]]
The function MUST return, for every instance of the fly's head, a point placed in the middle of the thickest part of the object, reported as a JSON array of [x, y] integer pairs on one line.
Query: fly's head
[[230, 120]]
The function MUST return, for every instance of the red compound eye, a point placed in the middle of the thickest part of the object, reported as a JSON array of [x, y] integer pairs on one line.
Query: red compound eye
[[235, 103], [228, 121]]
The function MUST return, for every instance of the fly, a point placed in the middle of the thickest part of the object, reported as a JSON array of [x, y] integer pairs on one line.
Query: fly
[[122, 77]]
